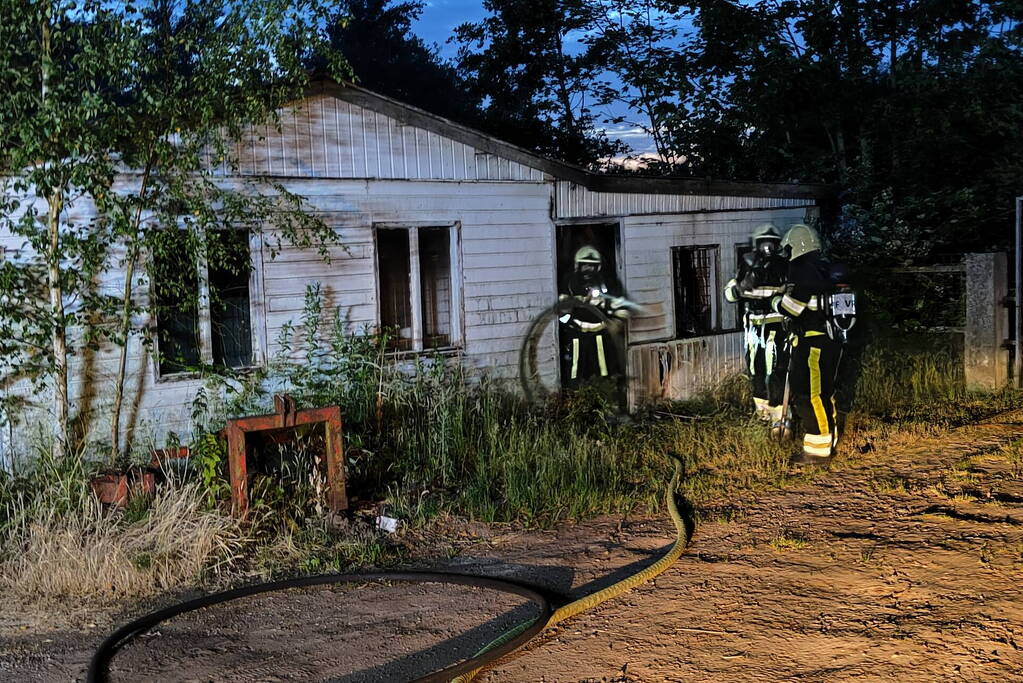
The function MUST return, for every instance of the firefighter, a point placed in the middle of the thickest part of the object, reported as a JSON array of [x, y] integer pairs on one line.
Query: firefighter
[[761, 277], [589, 348], [815, 344]]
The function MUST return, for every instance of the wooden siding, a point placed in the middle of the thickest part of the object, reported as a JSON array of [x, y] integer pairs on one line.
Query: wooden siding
[[361, 169], [679, 369], [507, 278], [329, 138], [646, 249], [507, 263], [575, 201]]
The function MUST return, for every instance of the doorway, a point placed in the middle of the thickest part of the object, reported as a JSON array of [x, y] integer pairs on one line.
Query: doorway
[[605, 238], [602, 236]]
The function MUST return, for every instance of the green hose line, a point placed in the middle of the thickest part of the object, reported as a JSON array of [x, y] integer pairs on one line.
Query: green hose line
[[592, 600]]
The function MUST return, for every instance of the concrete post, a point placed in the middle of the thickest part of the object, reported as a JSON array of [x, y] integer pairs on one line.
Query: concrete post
[[986, 361]]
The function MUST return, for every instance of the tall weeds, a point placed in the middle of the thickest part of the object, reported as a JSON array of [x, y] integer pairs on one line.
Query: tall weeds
[[892, 380], [58, 543], [423, 436]]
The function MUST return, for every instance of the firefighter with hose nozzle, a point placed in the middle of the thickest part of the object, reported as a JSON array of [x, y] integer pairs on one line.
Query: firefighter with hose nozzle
[[588, 350]]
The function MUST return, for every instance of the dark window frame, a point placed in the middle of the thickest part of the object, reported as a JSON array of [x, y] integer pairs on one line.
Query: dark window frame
[[419, 296], [207, 313], [682, 319]]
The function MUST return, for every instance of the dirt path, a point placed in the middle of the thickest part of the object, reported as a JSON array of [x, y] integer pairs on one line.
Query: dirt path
[[906, 566], [903, 565]]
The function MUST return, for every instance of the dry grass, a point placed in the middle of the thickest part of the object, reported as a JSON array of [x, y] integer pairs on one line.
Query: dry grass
[[99, 557], [789, 539]]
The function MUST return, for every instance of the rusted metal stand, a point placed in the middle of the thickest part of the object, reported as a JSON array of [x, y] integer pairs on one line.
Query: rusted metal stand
[[286, 417]]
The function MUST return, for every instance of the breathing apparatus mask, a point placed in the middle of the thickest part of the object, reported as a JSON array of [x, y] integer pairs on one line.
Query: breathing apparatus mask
[[768, 248], [766, 240], [588, 268]]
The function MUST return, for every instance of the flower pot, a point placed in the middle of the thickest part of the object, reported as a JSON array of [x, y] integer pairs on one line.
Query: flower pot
[[117, 488]]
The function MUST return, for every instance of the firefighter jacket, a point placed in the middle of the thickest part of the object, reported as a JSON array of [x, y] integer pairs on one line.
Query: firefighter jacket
[[805, 298], [757, 282], [608, 299]]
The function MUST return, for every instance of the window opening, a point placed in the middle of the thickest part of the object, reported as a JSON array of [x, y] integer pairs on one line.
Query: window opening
[[695, 285], [395, 294], [202, 307], [175, 292], [435, 284], [418, 290], [230, 312]]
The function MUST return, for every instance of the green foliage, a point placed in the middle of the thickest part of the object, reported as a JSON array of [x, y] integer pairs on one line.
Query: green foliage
[[519, 61], [209, 456], [903, 105], [44, 488], [893, 381], [163, 88], [639, 53], [376, 39], [424, 436]]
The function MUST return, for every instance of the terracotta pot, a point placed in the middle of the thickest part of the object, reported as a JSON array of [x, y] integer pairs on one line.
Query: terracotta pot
[[117, 488]]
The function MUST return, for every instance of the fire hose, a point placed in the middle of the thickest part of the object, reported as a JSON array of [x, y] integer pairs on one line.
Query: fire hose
[[490, 653], [489, 656], [498, 650], [99, 665]]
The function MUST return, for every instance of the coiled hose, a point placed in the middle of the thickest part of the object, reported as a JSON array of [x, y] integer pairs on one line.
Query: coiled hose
[[489, 656], [502, 647], [529, 372], [98, 669]]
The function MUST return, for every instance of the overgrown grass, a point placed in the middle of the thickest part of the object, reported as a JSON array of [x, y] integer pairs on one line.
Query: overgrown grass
[[920, 380], [58, 543], [422, 438]]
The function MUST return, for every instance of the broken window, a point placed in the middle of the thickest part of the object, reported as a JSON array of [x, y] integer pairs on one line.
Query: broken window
[[417, 289], [202, 307], [695, 281]]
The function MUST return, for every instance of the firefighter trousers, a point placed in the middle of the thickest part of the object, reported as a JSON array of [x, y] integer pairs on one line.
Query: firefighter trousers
[[767, 360], [815, 359], [587, 355]]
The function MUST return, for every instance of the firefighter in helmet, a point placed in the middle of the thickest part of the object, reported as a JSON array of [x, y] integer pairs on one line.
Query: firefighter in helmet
[[761, 277], [587, 342], [816, 346]]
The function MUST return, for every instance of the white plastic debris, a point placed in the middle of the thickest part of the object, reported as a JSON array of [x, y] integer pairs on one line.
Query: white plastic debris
[[388, 524]]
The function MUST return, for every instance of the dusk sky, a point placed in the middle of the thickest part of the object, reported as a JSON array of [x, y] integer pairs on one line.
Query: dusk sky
[[438, 22]]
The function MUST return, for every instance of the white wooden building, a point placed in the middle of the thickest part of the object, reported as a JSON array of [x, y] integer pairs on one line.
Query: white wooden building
[[455, 237]]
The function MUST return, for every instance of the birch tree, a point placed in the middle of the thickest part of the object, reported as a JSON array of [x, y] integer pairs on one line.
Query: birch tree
[[158, 91]]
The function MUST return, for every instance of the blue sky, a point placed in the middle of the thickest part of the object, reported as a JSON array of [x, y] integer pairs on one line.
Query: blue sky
[[437, 24], [440, 17]]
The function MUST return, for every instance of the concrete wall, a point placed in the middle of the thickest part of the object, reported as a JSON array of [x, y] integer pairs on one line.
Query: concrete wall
[[985, 358]]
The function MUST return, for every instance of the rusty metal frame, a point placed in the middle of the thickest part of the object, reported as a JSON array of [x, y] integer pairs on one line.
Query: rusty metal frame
[[286, 417]]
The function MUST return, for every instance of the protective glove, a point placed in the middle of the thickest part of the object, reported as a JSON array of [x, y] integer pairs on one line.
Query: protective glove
[[748, 282]]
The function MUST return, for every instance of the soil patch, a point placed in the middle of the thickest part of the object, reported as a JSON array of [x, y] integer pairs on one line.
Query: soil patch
[[903, 564]]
